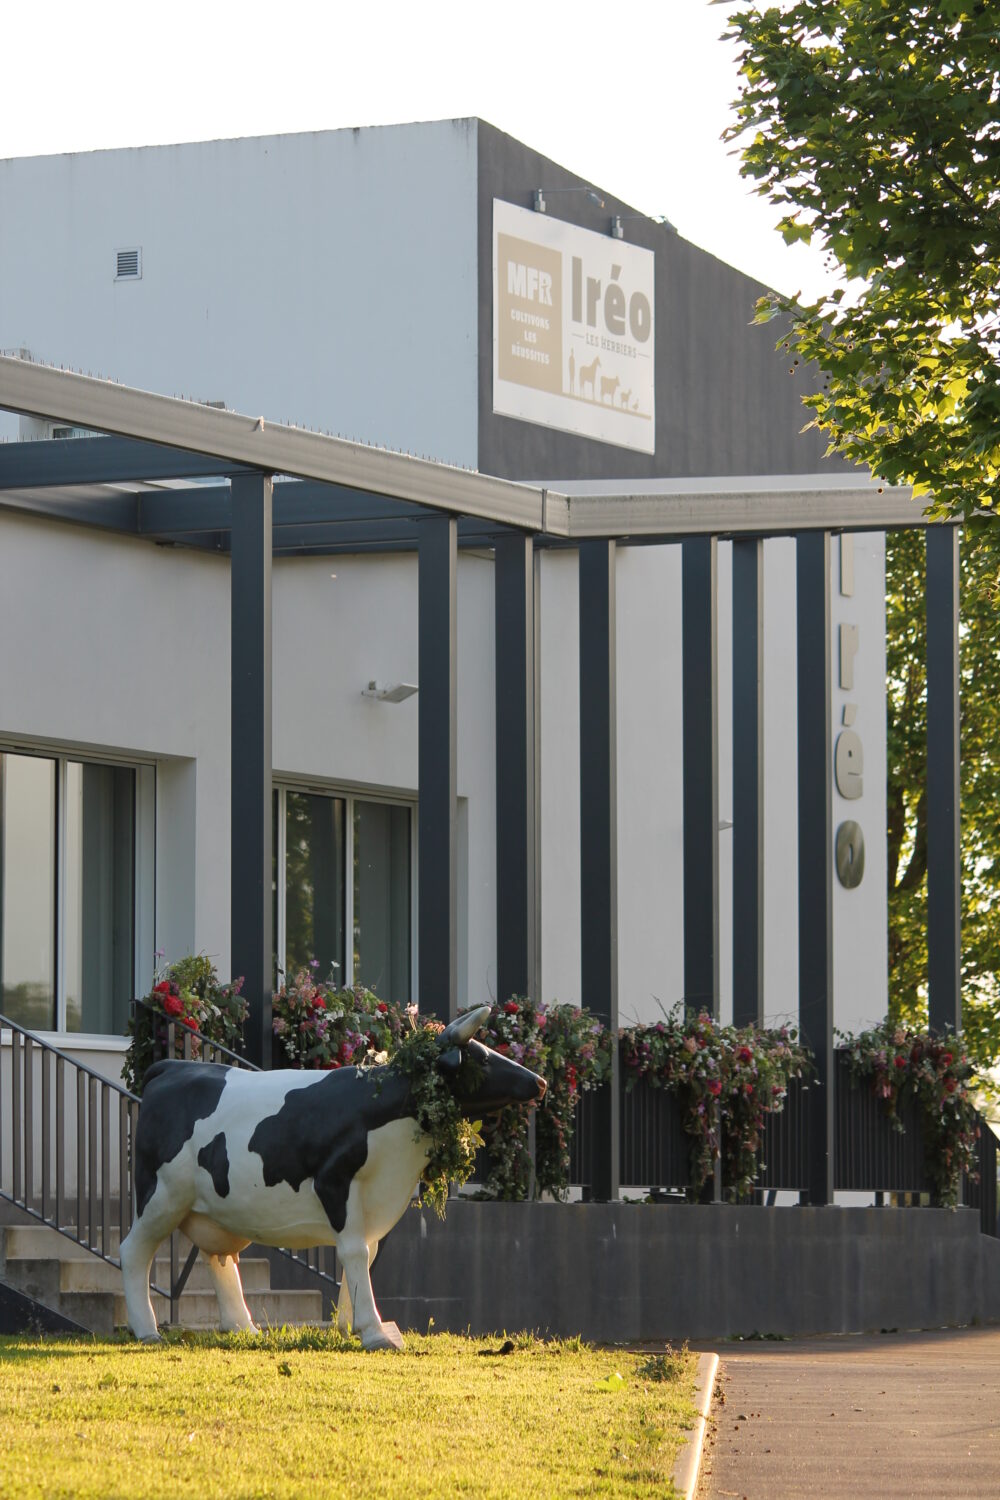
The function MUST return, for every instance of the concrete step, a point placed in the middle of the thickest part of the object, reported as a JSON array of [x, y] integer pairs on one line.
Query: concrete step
[[201, 1309], [39, 1242], [93, 1275]]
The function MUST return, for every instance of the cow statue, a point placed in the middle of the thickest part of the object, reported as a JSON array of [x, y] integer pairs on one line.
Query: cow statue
[[293, 1159]]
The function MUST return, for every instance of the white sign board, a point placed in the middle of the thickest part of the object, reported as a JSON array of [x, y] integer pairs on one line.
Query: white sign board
[[573, 329]]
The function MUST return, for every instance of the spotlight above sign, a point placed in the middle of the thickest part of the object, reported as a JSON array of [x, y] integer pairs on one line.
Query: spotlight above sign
[[389, 692]]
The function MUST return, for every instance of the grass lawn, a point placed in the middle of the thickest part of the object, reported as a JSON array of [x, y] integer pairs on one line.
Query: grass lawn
[[307, 1413]]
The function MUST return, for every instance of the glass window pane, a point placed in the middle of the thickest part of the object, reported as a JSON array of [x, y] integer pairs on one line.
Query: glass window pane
[[99, 932], [382, 899], [28, 890], [314, 883]]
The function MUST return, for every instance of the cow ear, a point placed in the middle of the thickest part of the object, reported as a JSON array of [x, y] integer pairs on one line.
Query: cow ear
[[463, 1028], [450, 1061]]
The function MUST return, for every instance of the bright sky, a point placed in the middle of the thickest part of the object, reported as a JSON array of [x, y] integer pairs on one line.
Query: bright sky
[[633, 95]]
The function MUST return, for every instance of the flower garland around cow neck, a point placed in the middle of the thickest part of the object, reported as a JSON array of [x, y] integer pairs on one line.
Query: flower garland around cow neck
[[189, 995], [454, 1139], [936, 1072], [726, 1079]]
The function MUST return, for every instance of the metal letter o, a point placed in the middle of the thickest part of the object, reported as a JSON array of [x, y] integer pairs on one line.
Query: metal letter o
[[850, 854], [849, 763]]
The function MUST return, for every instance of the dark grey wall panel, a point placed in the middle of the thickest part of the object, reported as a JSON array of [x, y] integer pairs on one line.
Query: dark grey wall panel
[[624, 1271], [725, 400]]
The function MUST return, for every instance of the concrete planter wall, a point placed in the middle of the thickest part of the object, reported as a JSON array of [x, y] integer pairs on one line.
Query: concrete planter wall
[[633, 1272]]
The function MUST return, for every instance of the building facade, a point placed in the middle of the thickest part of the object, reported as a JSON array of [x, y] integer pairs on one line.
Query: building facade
[[377, 284]]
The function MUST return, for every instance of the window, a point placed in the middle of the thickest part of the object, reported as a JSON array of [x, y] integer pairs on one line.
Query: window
[[76, 889], [318, 838]]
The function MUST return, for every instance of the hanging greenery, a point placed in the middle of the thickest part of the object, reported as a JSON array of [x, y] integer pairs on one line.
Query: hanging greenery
[[454, 1139]]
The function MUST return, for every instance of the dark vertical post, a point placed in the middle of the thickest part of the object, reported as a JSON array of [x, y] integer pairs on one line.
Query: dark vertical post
[[437, 767], [748, 781], [515, 787], [699, 651], [944, 875], [812, 581], [252, 939], [599, 836]]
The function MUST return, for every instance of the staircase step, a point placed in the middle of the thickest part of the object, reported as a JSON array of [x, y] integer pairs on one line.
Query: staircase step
[[93, 1275], [268, 1309], [39, 1242]]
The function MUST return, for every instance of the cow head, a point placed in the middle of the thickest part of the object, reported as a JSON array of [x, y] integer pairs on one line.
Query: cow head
[[483, 1080]]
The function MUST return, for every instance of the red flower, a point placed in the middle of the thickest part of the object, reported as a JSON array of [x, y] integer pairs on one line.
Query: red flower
[[714, 1086], [381, 1006], [172, 1004], [900, 1062], [947, 1059], [163, 988], [512, 1008], [189, 1022], [745, 1055], [950, 1085]]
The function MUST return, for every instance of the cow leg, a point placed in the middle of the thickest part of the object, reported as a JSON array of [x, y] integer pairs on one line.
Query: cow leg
[[355, 1259], [345, 1312], [234, 1315], [159, 1218]]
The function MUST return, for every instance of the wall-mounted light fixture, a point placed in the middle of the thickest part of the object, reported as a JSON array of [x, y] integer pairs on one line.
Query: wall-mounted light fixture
[[542, 193], [617, 226], [389, 692]]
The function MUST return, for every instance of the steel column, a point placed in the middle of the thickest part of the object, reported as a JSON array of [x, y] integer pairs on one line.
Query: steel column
[[251, 877], [812, 579], [700, 730], [515, 749], [599, 836], [437, 757], [748, 781], [944, 874]]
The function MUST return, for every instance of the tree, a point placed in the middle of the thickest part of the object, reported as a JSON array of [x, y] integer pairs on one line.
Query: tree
[[875, 124]]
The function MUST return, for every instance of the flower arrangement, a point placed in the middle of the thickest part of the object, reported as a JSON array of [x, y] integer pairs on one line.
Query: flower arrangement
[[936, 1071], [514, 1029], [454, 1139], [578, 1055], [572, 1051], [190, 994], [317, 1025], [727, 1080]]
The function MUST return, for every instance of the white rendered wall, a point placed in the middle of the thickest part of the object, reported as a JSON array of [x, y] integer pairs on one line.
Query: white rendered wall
[[326, 279], [650, 786]]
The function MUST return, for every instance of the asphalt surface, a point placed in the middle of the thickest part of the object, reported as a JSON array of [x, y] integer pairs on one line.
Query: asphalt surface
[[874, 1415]]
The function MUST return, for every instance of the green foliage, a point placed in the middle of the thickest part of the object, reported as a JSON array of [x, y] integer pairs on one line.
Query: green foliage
[[875, 125], [899, 1063], [189, 995], [906, 723], [454, 1140], [726, 1078]]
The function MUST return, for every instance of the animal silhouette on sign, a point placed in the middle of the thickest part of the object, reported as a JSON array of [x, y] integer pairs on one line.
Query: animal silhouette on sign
[[588, 374], [624, 397], [609, 386]]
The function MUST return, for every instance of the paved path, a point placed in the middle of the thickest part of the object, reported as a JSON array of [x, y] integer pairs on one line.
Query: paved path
[[885, 1415]]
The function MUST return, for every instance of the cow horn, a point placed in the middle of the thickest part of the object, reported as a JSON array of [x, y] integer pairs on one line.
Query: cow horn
[[463, 1028]]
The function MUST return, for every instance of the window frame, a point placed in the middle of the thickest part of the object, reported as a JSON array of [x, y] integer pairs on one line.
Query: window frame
[[143, 869], [349, 793]]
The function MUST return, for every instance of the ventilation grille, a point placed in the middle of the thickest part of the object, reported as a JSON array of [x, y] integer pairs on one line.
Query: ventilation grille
[[128, 265]]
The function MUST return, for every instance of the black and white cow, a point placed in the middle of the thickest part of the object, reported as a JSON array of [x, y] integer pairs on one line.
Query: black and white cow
[[295, 1159]]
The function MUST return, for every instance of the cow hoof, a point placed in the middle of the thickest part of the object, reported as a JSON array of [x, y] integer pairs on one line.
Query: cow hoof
[[387, 1336]]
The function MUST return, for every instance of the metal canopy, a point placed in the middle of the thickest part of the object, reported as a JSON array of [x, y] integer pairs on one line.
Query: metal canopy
[[163, 440]]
